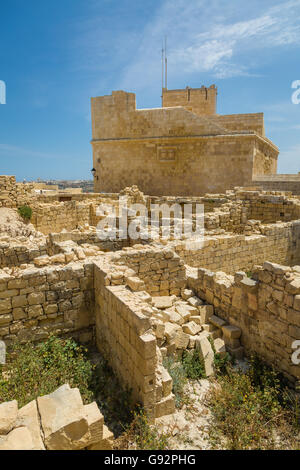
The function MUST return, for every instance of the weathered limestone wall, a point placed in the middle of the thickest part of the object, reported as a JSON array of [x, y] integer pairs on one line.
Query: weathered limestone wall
[[124, 336], [162, 271], [230, 253], [267, 310], [201, 101], [279, 182], [56, 300], [55, 217], [14, 194], [17, 254], [269, 208]]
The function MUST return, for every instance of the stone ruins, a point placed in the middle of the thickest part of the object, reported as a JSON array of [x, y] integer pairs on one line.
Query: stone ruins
[[142, 300]]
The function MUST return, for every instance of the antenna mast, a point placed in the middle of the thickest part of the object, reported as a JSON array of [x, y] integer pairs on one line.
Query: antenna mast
[[162, 71], [166, 64]]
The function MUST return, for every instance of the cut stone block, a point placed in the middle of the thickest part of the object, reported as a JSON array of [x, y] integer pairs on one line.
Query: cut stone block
[[204, 347], [191, 328], [165, 407], [181, 339], [170, 331], [220, 347], [8, 416], [95, 422], [195, 302], [231, 331], [187, 293], [63, 419], [196, 319], [106, 443], [135, 284], [162, 302], [206, 312], [167, 382], [28, 417], [18, 439], [218, 322]]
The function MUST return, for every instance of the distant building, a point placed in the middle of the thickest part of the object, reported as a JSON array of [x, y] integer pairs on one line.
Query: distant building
[[183, 148]]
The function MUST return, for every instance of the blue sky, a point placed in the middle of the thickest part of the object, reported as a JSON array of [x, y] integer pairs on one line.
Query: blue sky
[[55, 55]]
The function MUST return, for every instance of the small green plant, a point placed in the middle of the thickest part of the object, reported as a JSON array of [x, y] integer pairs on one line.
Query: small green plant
[[252, 410], [36, 370], [249, 274], [25, 212], [193, 365], [140, 435], [178, 374]]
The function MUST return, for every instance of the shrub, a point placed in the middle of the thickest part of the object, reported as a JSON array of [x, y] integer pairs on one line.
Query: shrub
[[178, 374], [25, 212], [140, 435], [193, 365], [35, 370], [251, 410]]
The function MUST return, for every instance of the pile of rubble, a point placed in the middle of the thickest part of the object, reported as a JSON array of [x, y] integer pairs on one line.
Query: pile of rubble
[[58, 421], [187, 323]]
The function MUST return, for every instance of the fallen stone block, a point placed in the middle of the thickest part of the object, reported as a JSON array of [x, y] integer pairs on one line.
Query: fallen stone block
[[18, 439], [220, 348], [191, 328], [63, 419], [106, 443], [8, 416], [162, 302], [216, 321], [170, 331], [206, 312], [28, 417], [187, 293], [165, 407], [95, 422], [195, 301], [135, 284], [181, 339], [231, 331], [204, 347], [196, 319]]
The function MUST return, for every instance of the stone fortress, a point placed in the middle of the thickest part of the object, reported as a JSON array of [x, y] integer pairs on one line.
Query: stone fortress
[[142, 300], [182, 149]]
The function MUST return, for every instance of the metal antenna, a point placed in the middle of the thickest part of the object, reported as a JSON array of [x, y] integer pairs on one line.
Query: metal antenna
[[162, 71], [166, 64]]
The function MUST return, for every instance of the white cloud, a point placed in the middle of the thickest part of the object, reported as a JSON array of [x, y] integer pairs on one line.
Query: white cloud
[[209, 37]]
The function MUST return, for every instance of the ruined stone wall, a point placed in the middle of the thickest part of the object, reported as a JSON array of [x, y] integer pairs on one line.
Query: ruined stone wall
[[55, 217], [267, 310], [124, 336], [13, 194], [17, 254], [43, 301], [269, 208], [230, 253], [279, 182], [162, 271]]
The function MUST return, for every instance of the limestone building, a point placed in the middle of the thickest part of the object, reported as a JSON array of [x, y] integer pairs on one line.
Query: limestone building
[[183, 148]]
